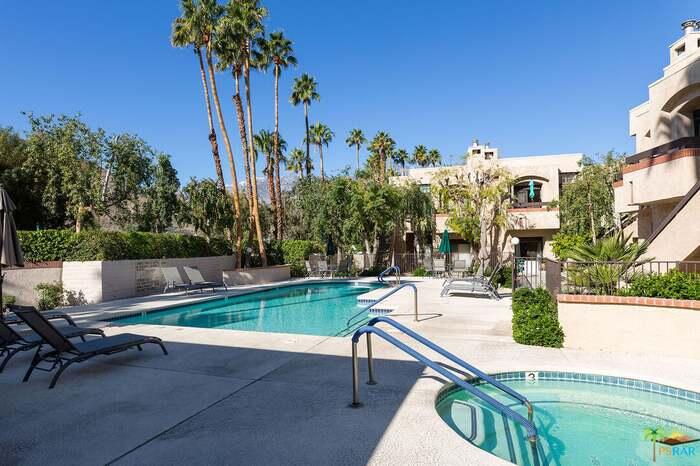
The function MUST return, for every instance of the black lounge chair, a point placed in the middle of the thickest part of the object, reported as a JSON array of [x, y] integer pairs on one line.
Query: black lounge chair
[[50, 315], [63, 352], [13, 341]]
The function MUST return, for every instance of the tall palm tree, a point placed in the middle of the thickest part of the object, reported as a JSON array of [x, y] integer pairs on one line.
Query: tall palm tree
[[187, 32], [296, 159], [420, 156], [276, 51], [247, 16], [382, 145], [321, 135], [265, 143], [400, 158], [434, 157], [304, 92], [208, 14], [356, 138], [229, 50]]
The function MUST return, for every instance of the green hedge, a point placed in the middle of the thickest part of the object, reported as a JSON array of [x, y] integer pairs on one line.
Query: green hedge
[[294, 253], [674, 284], [535, 318], [66, 245]]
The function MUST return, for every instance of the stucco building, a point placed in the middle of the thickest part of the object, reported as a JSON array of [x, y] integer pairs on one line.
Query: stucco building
[[657, 198], [533, 219]]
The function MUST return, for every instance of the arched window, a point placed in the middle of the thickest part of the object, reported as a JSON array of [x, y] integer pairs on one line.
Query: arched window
[[527, 193]]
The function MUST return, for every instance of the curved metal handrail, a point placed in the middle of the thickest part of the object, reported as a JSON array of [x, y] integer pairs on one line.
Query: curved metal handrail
[[393, 268], [393, 291], [503, 409], [457, 360]]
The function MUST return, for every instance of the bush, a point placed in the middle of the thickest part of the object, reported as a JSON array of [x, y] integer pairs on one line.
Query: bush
[[51, 295], [66, 245], [674, 284], [535, 318], [562, 244], [420, 272], [504, 278], [292, 252], [373, 271], [8, 300]]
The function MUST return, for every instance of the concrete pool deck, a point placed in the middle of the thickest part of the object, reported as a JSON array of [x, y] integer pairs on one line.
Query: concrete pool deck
[[234, 397]]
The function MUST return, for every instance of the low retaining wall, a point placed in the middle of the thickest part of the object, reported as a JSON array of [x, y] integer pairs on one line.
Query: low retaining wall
[[630, 324], [20, 282], [258, 275]]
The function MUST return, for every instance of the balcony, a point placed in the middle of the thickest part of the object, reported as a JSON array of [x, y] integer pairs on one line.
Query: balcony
[[533, 216]]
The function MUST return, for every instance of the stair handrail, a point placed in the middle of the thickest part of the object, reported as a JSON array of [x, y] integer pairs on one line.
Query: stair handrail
[[382, 298], [393, 268], [503, 409], [457, 360]]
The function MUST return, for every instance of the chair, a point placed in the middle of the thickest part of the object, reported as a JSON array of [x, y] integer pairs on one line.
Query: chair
[[63, 352], [459, 267], [323, 269], [173, 281], [439, 267], [196, 279], [11, 319], [474, 284], [13, 341]]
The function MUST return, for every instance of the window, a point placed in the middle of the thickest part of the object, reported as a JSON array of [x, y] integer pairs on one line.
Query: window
[[527, 193], [566, 178], [680, 50], [425, 188], [488, 155]]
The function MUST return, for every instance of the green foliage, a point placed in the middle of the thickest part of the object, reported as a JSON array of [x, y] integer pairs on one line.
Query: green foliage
[[674, 284], [586, 206], [420, 272], [562, 244], [504, 278], [162, 204], [66, 245], [206, 207], [8, 300], [535, 318], [50, 295], [373, 271], [294, 253]]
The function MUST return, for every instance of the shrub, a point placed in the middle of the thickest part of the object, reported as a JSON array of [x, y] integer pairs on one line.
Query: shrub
[[674, 284], [294, 253], [504, 278], [535, 318], [373, 271], [420, 272], [90, 245], [8, 300], [563, 244], [51, 295]]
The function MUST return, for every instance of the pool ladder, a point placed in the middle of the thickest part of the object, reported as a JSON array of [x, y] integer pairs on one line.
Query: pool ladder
[[397, 274], [370, 328]]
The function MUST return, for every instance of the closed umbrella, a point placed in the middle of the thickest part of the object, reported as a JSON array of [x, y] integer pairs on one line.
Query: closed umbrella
[[11, 252], [330, 247], [445, 243]]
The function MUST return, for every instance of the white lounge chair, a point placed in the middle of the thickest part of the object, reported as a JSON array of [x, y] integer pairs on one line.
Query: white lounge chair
[[197, 280], [478, 285]]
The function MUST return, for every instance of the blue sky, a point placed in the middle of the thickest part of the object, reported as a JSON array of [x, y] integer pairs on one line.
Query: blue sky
[[532, 78]]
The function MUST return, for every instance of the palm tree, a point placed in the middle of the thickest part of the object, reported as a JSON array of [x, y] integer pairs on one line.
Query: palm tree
[[265, 142], [382, 145], [186, 32], [296, 159], [208, 13], [434, 157], [653, 434], [277, 50], [304, 92], [420, 156], [229, 50], [400, 158], [247, 17], [356, 138], [321, 135]]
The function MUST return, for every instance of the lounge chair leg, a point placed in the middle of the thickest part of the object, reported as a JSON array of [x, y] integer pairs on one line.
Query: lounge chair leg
[[162, 346], [36, 360], [139, 347], [10, 354], [62, 368]]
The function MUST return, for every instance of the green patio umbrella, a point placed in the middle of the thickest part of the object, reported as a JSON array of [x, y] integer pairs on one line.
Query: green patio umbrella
[[445, 243], [10, 250], [330, 247]]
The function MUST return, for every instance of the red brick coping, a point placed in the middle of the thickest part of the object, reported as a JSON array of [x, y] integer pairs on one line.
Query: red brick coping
[[659, 159], [629, 300]]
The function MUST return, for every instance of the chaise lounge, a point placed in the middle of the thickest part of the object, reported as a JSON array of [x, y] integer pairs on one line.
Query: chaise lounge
[[197, 280], [63, 352], [476, 284]]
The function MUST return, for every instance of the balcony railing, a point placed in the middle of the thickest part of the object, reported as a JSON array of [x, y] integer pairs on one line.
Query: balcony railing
[[692, 142], [530, 205]]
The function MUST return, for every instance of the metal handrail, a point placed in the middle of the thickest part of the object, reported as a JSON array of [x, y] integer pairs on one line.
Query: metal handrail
[[465, 365], [393, 268], [503, 409], [393, 291]]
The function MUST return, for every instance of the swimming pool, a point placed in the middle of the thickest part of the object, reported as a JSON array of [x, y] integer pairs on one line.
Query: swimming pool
[[312, 309], [582, 419]]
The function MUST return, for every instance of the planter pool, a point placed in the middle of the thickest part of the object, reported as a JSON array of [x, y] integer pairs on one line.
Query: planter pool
[[312, 309], [582, 419]]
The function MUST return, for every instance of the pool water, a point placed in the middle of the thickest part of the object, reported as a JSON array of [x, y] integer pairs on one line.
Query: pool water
[[312, 309], [580, 423]]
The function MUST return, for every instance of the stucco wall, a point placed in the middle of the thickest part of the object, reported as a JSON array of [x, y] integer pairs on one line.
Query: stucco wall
[[681, 237], [21, 282], [257, 275], [630, 328]]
